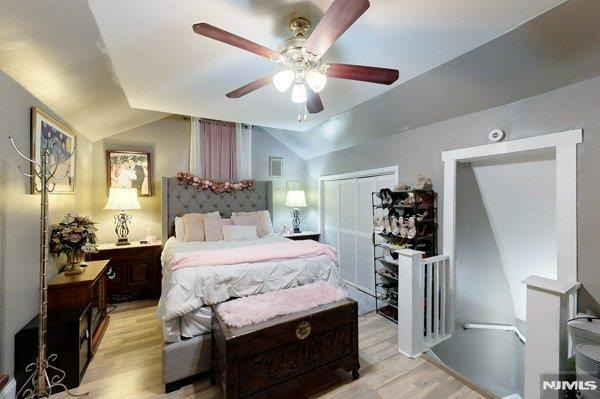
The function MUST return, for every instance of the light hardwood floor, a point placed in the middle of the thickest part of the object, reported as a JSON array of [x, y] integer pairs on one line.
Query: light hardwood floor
[[128, 365]]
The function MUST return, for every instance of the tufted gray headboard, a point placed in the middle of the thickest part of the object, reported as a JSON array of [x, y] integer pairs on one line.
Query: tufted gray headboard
[[178, 199]]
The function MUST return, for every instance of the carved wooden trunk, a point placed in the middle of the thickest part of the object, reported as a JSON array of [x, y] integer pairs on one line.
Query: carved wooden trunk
[[287, 352]]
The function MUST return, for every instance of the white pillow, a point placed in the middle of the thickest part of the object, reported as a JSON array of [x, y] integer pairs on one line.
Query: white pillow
[[179, 228], [264, 218], [239, 233]]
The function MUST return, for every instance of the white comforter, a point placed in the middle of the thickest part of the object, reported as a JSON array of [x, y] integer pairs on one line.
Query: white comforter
[[186, 292]]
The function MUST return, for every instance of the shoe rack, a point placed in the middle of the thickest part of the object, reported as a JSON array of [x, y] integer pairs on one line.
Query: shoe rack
[[411, 223]]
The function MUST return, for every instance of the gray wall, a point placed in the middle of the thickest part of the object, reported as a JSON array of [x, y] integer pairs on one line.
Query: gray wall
[[263, 147], [419, 151], [482, 295], [20, 213], [168, 141]]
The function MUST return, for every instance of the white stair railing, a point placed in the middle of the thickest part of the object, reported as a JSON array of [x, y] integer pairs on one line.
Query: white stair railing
[[425, 302]]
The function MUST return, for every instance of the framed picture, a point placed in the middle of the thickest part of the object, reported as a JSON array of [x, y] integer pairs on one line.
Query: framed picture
[[275, 167], [129, 169], [60, 141]]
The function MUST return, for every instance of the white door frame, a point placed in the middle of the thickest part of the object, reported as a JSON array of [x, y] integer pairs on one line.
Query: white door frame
[[565, 146], [388, 170]]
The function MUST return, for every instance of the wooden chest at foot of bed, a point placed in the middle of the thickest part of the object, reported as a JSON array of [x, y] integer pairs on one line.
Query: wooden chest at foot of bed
[[286, 352]]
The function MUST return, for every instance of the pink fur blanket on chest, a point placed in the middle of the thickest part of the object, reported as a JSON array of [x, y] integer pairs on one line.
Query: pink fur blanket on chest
[[258, 308], [252, 254]]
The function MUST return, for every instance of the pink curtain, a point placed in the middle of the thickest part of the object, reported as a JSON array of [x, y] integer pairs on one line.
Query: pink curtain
[[218, 150]]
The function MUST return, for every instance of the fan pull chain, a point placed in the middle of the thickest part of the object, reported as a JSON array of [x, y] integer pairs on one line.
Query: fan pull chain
[[302, 113]]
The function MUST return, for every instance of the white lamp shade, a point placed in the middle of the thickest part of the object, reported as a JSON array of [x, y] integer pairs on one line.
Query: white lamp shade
[[283, 80], [122, 199], [316, 81], [296, 199], [299, 94]]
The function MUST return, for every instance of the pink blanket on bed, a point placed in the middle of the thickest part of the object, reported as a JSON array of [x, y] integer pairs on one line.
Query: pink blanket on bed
[[252, 254]]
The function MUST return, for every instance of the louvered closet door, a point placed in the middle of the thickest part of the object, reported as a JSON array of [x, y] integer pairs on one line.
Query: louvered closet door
[[331, 214], [347, 195]]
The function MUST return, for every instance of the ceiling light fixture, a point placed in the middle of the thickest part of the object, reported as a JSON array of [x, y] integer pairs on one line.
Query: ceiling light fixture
[[316, 81], [300, 57], [283, 80], [299, 93]]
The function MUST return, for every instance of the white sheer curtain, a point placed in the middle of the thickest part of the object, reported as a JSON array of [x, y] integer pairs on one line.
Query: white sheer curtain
[[195, 147], [243, 150]]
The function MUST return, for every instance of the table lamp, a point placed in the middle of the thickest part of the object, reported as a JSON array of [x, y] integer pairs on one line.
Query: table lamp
[[122, 199], [295, 198]]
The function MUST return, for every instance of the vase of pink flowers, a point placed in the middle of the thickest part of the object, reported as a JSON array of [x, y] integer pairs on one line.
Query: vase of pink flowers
[[74, 236]]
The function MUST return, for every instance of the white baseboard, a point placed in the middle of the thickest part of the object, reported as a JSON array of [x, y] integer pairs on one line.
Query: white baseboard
[[9, 391]]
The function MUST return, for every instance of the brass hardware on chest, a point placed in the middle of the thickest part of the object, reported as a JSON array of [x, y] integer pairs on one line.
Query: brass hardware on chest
[[303, 330]]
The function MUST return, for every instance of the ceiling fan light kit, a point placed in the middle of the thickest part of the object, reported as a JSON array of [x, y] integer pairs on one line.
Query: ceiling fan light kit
[[299, 93], [300, 57], [283, 80]]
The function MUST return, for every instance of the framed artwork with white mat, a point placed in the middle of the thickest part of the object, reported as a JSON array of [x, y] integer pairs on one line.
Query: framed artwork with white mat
[[60, 141]]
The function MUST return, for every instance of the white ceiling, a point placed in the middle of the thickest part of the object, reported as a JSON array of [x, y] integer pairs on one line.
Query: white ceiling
[[162, 65], [54, 50]]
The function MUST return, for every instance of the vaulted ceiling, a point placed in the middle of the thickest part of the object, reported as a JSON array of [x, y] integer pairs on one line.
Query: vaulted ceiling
[[163, 65], [54, 50], [556, 49], [106, 66]]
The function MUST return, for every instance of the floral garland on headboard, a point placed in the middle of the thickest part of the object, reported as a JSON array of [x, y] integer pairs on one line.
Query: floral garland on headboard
[[218, 187]]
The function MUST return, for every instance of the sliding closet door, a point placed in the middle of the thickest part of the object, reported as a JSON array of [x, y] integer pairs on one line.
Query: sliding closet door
[[347, 254], [348, 225], [331, 212], [365, 278]]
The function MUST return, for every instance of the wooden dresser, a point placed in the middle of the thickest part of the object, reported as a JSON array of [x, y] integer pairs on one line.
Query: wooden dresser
[[82, 290], [68, 338], [133, 272], [305, 235]]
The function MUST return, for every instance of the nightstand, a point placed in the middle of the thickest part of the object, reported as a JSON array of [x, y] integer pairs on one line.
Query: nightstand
[[133, 272], [305, 235]]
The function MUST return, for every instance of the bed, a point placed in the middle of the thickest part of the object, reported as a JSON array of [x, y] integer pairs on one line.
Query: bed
[[188, 292]]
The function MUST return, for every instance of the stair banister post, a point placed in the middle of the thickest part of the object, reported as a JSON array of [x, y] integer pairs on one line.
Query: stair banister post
[[410, 302], [547, 344]]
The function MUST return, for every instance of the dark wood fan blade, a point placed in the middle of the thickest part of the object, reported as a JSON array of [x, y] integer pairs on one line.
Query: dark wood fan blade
[[250, 87], [363, 73], [314, 105], [221, 35], [340, 15]]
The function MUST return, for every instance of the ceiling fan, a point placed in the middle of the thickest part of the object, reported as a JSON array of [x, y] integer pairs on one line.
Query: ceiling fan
[[300, 57]]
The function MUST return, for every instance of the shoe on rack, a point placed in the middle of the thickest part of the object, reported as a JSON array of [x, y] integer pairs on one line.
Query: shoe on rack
[[411, 229], [401, 187], [377, 224], [384, 271], [387, 228], [422, 216], [423, 183], [425, 201], [409, 200], [396, 225], [404, 228]]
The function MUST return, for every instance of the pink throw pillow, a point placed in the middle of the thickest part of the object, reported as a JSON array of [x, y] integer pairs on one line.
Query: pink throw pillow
[[213, 228], [247, 220]]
